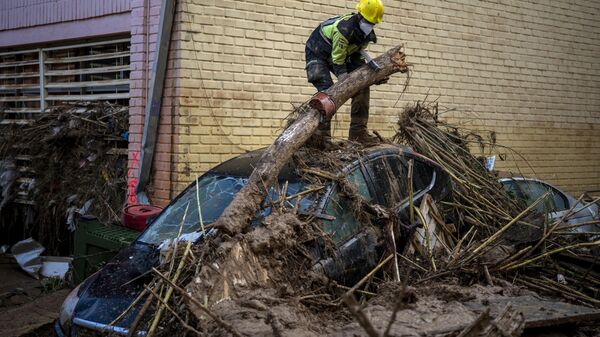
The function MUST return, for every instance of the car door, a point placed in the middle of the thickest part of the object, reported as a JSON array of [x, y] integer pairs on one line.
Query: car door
[[355, 243], [390, 177]]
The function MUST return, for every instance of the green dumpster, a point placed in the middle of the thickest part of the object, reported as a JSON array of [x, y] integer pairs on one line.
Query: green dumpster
[[96, 243]]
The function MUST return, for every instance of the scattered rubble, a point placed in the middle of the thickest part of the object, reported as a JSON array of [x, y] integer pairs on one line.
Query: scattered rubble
[[28, 252]]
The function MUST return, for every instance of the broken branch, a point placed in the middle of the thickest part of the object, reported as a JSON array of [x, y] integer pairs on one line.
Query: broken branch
[[240, 211]]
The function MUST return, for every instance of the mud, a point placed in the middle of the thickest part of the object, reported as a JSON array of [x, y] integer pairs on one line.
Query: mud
[[265, 287], [26, 305], [263, 312], [275, 235], [435, 309]]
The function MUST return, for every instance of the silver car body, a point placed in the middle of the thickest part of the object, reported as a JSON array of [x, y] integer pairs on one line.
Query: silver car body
[[583, 213]]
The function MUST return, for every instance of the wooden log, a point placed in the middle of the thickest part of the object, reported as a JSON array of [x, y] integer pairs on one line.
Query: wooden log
[[246, 203]]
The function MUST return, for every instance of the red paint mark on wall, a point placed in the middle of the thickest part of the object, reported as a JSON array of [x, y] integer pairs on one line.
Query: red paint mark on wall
[[132, 179]]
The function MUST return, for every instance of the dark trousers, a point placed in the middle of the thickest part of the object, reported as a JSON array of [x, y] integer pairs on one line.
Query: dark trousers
[[319, 67]]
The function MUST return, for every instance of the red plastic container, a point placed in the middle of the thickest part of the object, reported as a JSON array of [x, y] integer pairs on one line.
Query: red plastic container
[[136, 216]]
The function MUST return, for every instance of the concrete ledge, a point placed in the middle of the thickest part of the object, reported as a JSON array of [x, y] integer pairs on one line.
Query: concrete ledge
[[80, 29]]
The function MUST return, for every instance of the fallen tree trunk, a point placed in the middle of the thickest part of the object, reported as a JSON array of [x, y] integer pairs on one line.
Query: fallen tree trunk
[[248, 200]]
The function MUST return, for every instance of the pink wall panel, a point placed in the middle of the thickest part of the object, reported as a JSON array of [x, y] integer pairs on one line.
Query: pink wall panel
[[29, 13], [69, 30]]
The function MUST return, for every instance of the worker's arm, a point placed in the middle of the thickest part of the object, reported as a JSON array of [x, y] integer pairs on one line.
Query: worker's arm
[[339, 52]]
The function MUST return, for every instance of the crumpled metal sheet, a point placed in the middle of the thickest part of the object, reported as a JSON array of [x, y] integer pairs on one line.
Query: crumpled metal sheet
[[55, 266], [27, 253]]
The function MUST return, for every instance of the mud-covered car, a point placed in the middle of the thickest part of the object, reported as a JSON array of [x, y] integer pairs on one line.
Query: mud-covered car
[[378, 174], [556, 205]]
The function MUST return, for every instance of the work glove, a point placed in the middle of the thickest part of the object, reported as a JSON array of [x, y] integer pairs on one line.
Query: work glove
[[340, 71]]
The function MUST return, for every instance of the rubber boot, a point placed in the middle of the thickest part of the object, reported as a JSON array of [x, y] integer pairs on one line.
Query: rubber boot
[[363, 136], [359, 117]]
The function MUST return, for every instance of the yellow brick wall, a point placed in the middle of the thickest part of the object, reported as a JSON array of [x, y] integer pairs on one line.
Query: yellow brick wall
[[527, 69]]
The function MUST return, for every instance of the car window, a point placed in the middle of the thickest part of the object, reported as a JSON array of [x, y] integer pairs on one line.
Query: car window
[[422, 175], [389, 177], [560, 200], [533, 190], [390, 174], [510, 186], [397, 168], [341, 207], [216, 192]]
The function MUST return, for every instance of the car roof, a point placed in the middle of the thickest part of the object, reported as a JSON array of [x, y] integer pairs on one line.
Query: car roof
[[244, 164], [517, 178]]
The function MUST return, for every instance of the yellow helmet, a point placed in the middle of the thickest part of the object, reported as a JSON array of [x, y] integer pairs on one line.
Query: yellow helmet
[[371, 10]]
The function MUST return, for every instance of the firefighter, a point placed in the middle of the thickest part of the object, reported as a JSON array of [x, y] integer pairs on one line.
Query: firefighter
[[335, 46]]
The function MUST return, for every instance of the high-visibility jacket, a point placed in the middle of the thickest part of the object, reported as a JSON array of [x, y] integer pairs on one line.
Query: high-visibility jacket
[[345, 37]]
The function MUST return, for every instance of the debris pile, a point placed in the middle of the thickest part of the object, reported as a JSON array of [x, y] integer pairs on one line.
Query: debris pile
[[496, 236], [479, 200], [474, 266], [71, 160]]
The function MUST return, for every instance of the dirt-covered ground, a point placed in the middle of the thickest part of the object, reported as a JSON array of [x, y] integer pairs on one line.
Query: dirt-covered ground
[[28, 307]]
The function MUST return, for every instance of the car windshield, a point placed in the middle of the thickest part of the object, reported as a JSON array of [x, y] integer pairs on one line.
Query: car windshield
[[215, 192]]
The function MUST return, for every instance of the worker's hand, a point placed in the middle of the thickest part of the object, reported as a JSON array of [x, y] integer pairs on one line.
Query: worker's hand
[[383, 80], [342, 76]]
